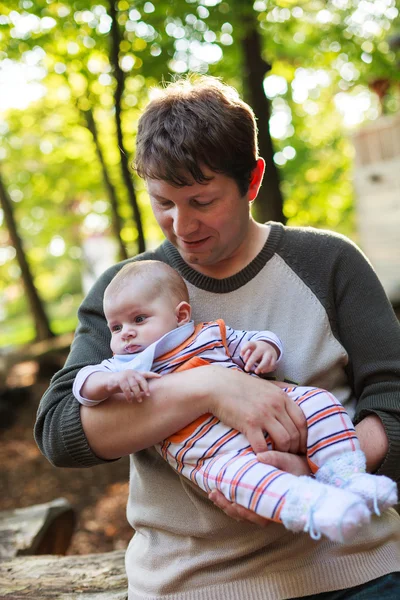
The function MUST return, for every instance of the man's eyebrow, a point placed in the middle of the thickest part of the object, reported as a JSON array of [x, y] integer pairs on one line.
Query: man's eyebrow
[[200, 194]]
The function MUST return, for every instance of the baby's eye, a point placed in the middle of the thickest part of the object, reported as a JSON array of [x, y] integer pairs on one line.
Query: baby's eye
[[140, 318], [115, 328]]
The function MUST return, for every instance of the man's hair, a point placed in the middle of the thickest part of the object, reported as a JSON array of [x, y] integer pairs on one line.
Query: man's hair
[[163, 280], [197, 122]]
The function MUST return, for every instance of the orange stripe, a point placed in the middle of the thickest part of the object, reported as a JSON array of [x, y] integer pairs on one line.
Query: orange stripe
[[260, 489], [235, 481], [222, 328], [328, 411], [335, 438], [182, 434], [210, 452], [190, 355], [190, 443]]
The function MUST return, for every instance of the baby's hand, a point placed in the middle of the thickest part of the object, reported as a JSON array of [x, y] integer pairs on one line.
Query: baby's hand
[[259, 357], [133, 384]]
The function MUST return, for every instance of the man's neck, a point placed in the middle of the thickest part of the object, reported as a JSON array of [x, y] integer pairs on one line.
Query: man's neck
[[254, 242]]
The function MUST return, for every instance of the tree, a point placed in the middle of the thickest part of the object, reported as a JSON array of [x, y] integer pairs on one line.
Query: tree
[[112, 194], [118, 93], [269, 205], [42, 325]]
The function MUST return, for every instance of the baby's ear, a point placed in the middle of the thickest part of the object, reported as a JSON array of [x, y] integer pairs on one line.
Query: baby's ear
[[183, 313]]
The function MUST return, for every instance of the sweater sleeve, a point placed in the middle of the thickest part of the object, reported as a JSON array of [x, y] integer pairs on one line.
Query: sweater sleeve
[[58, 429], [370, 332]]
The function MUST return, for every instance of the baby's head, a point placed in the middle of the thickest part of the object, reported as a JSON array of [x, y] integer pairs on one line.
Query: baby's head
[[144, 301]]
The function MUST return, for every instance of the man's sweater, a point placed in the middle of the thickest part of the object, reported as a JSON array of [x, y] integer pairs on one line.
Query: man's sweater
[[318, 293]]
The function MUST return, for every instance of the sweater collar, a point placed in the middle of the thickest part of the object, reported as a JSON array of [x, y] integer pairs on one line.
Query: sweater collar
[[230, 284]]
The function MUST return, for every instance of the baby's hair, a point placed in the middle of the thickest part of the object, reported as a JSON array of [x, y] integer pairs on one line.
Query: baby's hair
[[162, 278]]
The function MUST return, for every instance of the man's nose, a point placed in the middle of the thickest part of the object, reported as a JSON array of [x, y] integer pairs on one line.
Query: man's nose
[[184, 222]]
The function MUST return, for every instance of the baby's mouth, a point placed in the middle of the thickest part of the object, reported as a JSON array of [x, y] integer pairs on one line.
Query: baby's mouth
[[131, 348]]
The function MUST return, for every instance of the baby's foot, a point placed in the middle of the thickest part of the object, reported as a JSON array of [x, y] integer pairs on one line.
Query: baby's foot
[[347, 471], [320, 509]]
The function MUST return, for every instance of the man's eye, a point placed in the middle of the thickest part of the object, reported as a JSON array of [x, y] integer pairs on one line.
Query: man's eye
[[165, 205], [203, 202], [140, 318]]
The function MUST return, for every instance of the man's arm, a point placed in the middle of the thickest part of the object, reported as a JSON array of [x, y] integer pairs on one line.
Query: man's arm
[[370, 332], [115, 428]]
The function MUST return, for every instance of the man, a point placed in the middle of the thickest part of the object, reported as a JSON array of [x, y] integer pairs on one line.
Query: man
[[197, 150]]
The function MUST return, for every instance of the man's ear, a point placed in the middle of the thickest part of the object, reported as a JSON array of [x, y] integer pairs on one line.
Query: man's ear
[[256, 179], [183, 313]]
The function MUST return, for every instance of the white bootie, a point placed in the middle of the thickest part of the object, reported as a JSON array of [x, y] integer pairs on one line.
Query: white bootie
[[348, 471], [320, 509]]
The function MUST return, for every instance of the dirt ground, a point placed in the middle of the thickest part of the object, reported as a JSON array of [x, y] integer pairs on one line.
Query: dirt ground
[[98, 495]]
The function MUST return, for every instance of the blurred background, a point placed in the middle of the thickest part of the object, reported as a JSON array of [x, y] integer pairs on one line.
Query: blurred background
[[324, 80]]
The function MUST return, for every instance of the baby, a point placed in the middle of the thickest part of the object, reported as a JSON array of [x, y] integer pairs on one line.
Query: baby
[[148, 313]]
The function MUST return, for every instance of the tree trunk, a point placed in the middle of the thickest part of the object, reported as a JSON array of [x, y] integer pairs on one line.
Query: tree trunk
[[119, 89], [112, 195], [269, 203], [42, 325]]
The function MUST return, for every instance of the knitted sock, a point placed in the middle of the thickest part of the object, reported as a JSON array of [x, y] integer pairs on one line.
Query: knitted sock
[[347, 471], [320, 509]]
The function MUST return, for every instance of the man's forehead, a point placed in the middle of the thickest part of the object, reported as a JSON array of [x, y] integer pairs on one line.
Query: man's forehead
[[158, 188]]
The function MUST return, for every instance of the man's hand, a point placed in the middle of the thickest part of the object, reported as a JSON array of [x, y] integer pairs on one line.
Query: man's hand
[[254, 406], [291, 463], [235, 511], [259, 357]]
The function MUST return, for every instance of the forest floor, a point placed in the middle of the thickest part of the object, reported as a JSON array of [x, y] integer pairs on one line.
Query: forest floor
[[97, 495]]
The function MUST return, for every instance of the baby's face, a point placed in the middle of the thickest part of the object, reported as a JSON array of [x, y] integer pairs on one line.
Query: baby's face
[[136, 319]]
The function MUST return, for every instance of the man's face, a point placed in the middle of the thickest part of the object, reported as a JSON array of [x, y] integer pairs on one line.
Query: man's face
[[207, 222], [136, 318]]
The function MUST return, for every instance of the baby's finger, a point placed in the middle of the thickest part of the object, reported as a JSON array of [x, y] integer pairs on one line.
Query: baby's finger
[[127, 390], [247, 347], [133, 387], [252, 360], [151, 375], [267, 364], [141, 381]]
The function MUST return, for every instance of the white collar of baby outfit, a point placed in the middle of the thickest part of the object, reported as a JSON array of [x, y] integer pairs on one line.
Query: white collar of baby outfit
[[143, 361]]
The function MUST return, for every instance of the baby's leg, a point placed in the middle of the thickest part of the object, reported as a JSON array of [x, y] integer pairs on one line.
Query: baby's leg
[[216, 457], [333, 450]]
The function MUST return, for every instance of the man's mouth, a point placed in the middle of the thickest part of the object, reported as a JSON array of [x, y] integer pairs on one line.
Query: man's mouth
[[193, 244]]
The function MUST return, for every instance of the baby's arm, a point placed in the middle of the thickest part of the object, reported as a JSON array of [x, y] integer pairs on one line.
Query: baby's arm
[[96, 383], [133, 384], [257, 351]]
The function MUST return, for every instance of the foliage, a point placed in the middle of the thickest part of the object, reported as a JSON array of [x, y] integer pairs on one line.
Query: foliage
[[323, 55]]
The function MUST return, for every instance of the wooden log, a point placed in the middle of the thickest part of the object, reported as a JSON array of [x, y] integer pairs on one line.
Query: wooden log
[[40, 529], [88, 577]]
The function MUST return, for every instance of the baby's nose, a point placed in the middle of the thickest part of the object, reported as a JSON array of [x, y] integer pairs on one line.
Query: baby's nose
[[128, 332]]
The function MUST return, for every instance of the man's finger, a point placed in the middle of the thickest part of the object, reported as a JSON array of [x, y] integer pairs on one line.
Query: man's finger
[[298, 418], [290, 463], [283, 433], [235, 511], [256, 440]]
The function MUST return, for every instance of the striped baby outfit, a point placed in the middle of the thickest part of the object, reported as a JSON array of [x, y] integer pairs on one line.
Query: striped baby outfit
[[214, 456]]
